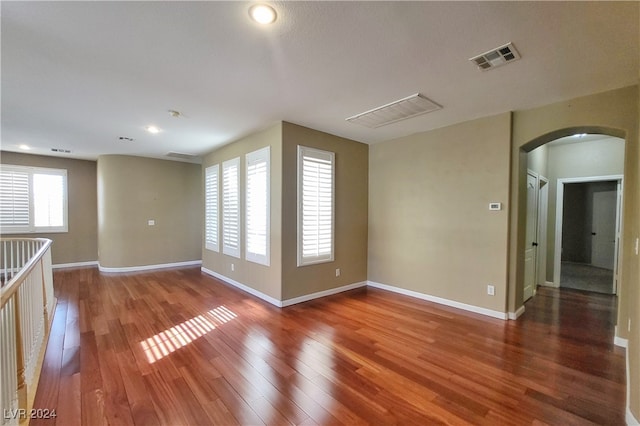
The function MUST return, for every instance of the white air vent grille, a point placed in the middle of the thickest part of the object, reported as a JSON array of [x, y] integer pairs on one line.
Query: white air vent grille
[[62, 150], [395, 111], [181, 155], [496, 57]]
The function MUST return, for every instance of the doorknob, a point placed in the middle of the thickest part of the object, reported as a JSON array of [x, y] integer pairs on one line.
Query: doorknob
[[593, 233], [534, 244]]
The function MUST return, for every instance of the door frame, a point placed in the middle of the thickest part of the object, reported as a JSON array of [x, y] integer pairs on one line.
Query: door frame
[[557, 263], [543, 214]]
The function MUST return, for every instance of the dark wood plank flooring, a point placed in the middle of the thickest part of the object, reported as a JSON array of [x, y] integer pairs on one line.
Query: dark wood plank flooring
[[177, 347]]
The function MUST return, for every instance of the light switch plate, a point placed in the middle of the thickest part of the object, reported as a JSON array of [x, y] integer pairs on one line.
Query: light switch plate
[[495, 206]]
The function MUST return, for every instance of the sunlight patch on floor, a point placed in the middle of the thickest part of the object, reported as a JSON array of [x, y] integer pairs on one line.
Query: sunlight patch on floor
[[176, 337]]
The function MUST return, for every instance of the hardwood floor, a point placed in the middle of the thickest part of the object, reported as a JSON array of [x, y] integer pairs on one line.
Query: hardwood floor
[[177, 347]]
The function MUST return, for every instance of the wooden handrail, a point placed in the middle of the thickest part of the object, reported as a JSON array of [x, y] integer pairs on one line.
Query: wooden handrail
[[14, 284], [25, 302]]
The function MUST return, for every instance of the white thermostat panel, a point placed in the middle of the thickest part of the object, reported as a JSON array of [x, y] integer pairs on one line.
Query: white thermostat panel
[[495, 206]]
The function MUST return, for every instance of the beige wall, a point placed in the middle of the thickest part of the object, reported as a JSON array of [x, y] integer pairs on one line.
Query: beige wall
[[351, 177], [616, 113], [265, 279], [133, 190], [430, 228], [80, 243], [538, 160], [633, 351], [283, 279]]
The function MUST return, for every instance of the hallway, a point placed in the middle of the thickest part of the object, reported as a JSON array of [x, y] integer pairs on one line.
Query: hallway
[[580, 276]]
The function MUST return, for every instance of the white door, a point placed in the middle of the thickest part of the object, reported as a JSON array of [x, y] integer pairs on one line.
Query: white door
[[530, 249], [603, 230]]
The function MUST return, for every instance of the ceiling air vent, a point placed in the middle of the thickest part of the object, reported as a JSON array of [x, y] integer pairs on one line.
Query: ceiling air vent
[[182, 155], [61, 150], [496, 57], [395, 111]]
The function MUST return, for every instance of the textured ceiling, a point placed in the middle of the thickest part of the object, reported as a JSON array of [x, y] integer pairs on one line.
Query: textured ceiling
[[78, 75]]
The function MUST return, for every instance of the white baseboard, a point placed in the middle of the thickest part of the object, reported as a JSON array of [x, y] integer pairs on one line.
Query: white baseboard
[[619, 341], [75, 265], [243, 287], [440, 300], [324, 293], [550, 284], [282, 303], [150, 267], [629, 417], [515, 315]]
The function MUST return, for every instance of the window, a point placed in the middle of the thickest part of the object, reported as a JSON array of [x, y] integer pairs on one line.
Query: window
[[32, 199], [231, 207], [211, 207], [257, 207], [315, 205]]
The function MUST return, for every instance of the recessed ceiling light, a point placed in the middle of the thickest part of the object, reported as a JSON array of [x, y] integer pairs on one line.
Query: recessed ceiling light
[[24, 147], [152, 129], [262, 14]]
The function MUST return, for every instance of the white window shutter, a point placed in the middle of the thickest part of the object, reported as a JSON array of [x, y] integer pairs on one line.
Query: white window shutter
[[14, 198], [315, 206], [211, 185], [231, 207], [257, 206]]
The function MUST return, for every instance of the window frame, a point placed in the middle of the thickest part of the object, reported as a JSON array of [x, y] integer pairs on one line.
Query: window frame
[[212, 211], [31, 227], [324, 156]]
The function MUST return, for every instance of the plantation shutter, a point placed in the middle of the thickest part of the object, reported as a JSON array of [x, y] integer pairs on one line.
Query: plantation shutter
[[315, 205], [257, 206], [231, 207], [14, 198], [211, 207]]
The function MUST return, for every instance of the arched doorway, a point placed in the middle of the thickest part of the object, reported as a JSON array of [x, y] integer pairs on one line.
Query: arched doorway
[[615, 113], [519, 216], [573, 209]]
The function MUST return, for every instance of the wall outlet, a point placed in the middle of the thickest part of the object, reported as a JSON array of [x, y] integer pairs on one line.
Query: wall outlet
[[337, 272], [233, 267], [491, 290], [151, 222]]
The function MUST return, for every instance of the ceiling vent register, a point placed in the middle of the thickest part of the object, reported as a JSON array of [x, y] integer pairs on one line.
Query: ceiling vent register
[[181, 155], [402, 109], [496, 57]]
